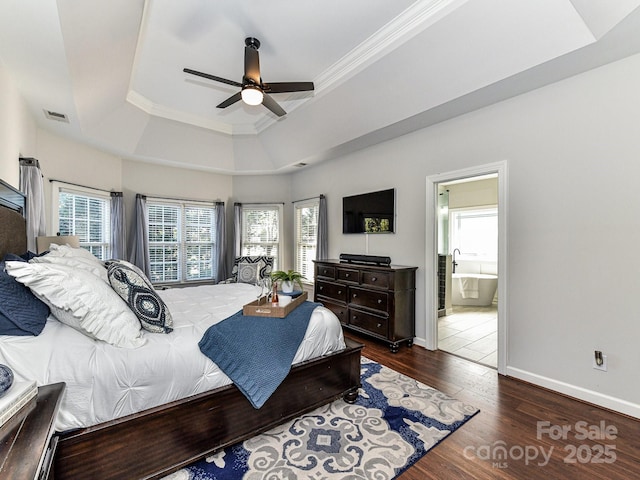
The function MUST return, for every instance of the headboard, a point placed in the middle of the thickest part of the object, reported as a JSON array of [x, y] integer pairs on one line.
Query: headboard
[[13, 226]]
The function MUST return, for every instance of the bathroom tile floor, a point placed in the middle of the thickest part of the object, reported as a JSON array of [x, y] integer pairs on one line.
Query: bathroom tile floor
[[471, 333]]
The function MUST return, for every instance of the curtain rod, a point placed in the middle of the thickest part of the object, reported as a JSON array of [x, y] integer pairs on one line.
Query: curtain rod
[[51, 180], [259, 203], [310, 198], [156, 197]]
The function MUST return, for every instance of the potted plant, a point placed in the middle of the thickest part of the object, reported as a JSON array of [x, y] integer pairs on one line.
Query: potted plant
[[287, 279]]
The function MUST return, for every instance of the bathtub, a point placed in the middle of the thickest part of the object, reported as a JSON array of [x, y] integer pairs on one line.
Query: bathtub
[[473, 289]]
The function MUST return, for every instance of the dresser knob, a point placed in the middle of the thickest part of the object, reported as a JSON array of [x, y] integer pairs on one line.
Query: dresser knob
[[321, 287], [339, 292], [373, 279], [379, 300], [355, 295], [379, 325], [346, 275]]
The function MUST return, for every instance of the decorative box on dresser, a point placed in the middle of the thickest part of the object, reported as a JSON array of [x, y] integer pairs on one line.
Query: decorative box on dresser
[[376, 300]]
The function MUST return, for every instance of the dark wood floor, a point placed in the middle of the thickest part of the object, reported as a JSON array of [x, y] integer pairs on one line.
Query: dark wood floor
[[509, 416]]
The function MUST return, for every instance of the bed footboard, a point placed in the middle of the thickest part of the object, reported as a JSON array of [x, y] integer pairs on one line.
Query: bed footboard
[[161, 440]]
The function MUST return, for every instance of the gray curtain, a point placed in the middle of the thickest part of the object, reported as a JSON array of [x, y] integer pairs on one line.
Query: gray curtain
[[221, 241], [118, 237], [32, 186], [237, 230], [322, 250], [140, 247]]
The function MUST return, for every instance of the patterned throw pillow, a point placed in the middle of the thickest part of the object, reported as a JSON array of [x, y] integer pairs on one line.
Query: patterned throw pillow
[[265, 266], [248, 273], [134, 287]]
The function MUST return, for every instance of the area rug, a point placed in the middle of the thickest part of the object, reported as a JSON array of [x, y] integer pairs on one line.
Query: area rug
[[395, 421]]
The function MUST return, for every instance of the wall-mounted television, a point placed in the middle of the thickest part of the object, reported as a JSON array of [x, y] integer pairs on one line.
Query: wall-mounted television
[[372, 212]]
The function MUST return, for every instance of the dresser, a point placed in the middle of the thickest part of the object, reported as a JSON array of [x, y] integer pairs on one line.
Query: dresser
[[375, 300]]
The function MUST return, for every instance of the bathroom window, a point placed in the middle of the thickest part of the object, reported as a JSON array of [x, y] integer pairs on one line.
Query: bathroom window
[[475, 232]]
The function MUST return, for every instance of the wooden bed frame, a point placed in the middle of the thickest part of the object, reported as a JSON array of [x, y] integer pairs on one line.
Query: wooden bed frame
[[161, 440]]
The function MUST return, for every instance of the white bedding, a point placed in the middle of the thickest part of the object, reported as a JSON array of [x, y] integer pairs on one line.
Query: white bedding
[[106, 382]]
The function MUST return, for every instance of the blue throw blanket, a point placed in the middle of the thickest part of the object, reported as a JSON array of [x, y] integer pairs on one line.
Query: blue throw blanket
[[256, 352]]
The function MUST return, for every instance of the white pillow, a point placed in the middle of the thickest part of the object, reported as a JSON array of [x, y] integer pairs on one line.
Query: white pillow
[[81, 300], [79, 262]]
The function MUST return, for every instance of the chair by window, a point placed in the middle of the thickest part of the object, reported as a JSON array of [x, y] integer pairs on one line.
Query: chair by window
[[250, 269], [43, 243]]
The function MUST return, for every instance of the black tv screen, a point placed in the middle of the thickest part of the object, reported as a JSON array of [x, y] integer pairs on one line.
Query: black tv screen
[[372, 212]]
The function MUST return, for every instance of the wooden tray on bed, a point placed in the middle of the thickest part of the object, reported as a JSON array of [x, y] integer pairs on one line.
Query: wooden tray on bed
[[262, 308]]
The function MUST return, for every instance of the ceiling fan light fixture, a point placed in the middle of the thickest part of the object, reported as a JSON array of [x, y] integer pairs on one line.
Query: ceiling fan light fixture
[[252, 95]]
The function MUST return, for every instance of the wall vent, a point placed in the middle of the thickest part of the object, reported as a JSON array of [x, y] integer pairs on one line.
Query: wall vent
[[58, 117]]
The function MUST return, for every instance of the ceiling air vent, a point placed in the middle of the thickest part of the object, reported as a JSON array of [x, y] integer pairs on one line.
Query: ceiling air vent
[[59, 117]]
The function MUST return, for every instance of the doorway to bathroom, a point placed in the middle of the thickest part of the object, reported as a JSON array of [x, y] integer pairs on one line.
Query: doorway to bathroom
[[468, 252]]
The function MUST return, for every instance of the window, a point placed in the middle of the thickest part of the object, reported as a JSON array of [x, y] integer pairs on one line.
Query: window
[[306, 236], [475, 232], [261, 231], [181, 241], [86, 213]]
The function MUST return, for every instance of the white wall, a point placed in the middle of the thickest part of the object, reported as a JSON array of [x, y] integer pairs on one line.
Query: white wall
[[572, 152], [474, 193], [65, 160], [17, 130], [573, 221], [62, 159]]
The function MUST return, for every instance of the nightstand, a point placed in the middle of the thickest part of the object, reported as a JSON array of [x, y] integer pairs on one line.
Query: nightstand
[[26, 447]]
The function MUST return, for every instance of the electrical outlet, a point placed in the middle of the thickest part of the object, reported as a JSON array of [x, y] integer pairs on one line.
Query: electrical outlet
[[600, 361]]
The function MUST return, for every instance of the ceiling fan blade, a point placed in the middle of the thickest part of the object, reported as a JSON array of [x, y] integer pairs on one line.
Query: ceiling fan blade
[[231, 100], [212, 77], [252, 65], [282, 87], [272, 105]]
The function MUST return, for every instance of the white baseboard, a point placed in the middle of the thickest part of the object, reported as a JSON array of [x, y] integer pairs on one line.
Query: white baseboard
[[420, 341], [596, 398]]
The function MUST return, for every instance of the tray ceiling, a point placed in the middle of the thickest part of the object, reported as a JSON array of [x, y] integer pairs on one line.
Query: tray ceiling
[[380, 69]]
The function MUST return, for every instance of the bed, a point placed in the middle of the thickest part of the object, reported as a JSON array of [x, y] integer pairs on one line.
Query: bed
[[138, 423]]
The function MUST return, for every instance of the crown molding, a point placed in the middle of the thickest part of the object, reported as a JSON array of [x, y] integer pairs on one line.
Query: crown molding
[[405, 26], [146, 105], [409, 23]]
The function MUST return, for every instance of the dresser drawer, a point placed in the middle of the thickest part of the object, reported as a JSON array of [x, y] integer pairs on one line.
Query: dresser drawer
[[376, 279], [348, 274], [340, 311], [326, 271], [334, 291], [369, 298], [369, 322]]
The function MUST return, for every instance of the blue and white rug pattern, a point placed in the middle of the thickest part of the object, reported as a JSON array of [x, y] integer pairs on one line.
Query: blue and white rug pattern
[[394, 422]]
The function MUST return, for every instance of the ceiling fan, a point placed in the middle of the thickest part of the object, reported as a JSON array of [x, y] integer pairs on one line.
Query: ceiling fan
[[254, 91]]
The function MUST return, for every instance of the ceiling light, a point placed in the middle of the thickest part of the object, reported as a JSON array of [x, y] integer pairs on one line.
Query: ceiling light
[[252, 95]]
